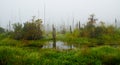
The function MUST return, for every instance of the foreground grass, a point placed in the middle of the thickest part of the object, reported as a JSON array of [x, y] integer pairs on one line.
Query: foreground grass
[[23, 52], [103, 55]]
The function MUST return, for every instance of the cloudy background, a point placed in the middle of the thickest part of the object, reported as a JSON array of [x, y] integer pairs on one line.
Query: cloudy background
[[58, 12]]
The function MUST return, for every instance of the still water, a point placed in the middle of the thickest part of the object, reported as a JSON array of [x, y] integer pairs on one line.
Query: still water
[[66, 46], [59, 45]]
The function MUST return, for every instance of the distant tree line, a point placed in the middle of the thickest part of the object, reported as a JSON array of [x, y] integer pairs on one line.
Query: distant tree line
[[33, 30], [101, 32], [92, 30]]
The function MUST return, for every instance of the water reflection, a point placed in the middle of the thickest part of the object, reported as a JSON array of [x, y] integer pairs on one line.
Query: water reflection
[[65, 46], [58, 45], [54, 43]]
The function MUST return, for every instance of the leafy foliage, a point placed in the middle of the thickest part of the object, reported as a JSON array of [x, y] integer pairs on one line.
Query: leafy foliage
[[2, 30], [30, 30], [18, 32]]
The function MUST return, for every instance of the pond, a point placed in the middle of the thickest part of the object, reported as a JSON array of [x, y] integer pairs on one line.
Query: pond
[[66, 46], [59, 45]]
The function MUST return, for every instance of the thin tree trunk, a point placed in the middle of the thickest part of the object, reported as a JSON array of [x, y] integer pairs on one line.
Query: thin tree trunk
[[70, 29], [79, 25], [54, 36]]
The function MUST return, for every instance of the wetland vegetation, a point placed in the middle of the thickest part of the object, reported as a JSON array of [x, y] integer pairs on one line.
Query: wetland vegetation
[[31, 44]]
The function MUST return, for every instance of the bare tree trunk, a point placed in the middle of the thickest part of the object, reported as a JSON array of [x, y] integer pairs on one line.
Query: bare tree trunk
[[70, 29], [9, 26], [115, 23], [79, 25], [54, 36]]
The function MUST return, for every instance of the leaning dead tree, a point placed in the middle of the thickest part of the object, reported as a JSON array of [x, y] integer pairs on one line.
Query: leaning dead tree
[[54, 36]]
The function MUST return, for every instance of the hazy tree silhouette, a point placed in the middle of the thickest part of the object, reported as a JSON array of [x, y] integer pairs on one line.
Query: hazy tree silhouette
[[30, 30], [2, 30]]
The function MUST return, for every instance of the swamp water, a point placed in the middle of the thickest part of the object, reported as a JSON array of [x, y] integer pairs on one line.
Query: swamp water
[[59, 45], [66, 46]]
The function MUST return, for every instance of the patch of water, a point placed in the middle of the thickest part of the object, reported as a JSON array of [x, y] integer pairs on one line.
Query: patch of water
[[66, 46], [58, 45]]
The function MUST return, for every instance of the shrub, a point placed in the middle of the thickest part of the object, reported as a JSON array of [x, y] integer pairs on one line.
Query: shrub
[[30, 30]]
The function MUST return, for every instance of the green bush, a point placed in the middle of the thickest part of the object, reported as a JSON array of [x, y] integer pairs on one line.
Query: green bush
[[2, 30], [30, 30], [9, 42]]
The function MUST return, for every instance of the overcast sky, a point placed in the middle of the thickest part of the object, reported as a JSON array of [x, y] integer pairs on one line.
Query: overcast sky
[[58, 11]]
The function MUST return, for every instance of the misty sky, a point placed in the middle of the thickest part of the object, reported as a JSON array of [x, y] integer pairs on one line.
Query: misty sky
[[58, 11]]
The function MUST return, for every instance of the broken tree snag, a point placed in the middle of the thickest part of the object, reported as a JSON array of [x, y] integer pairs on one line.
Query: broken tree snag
[[115, 23], [54, 36], [70, 29], [79, 25]]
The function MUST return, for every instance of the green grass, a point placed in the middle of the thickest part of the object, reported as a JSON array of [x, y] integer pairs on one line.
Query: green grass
[[24, 52], [22, 43], [104, 55]]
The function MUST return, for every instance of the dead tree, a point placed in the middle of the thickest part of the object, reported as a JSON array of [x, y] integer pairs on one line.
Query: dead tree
[[70, 29], [115, 23], [79, 25], [54, 36]]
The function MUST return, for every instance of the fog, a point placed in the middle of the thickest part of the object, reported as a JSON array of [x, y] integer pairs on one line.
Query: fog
[[58, 12]]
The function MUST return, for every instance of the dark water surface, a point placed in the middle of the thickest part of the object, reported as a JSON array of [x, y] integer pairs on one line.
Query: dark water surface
[[65, 46], [59, 45]]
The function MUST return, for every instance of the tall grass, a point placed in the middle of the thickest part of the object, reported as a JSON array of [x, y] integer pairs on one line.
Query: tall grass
[[104, 55]]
